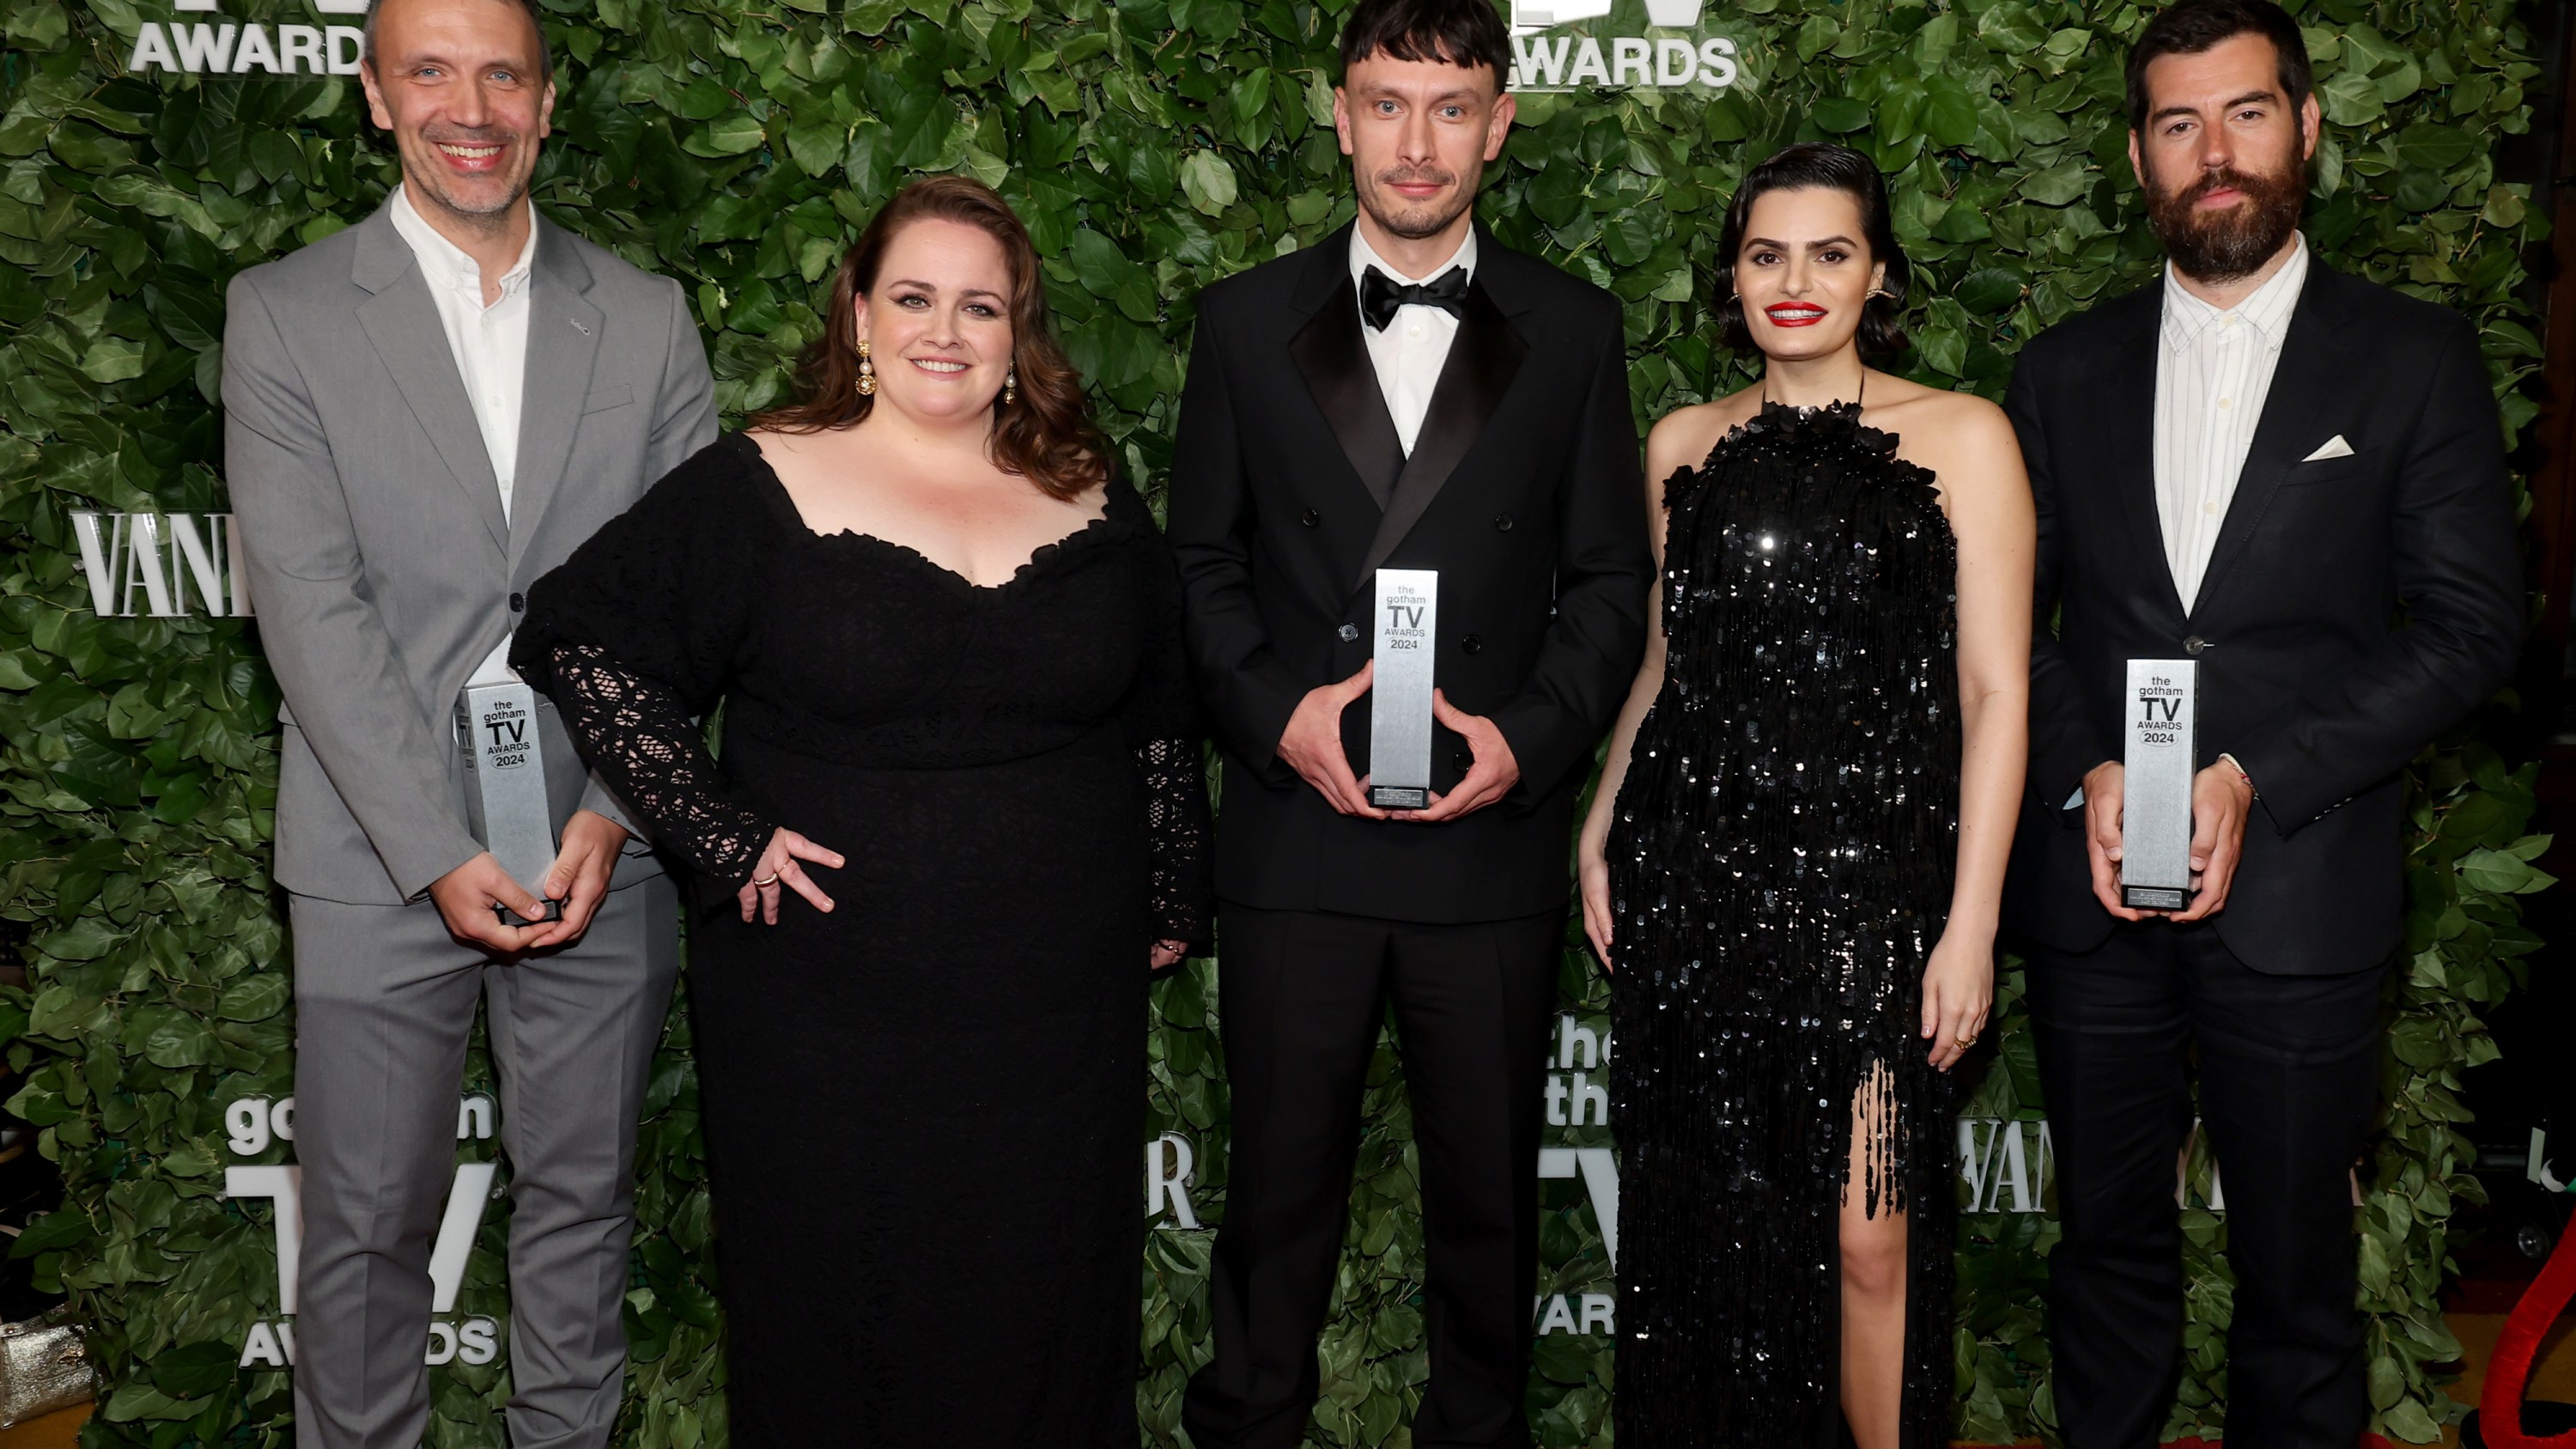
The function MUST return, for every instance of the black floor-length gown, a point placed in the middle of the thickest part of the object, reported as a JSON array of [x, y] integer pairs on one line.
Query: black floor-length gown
[[1781, 860], [923, 1109]]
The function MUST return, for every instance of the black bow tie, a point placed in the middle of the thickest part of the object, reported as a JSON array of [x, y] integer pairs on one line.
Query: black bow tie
[[1381, 294]]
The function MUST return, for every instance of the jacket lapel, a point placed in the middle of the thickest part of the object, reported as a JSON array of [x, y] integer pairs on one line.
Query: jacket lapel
[[563, 342], [2128, 396], [1333, 357], [1483, 359], [2303, 387], [402, 321]]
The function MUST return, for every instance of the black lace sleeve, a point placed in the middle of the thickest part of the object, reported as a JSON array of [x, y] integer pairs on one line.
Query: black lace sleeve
[[636, 634], [1162, 724], [638, 735]]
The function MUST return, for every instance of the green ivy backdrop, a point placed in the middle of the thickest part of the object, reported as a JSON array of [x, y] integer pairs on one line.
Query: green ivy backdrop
[[1154, 146]]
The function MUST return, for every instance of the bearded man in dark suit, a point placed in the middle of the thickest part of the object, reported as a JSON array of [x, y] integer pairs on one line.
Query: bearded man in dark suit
[[2295, 478], [1411, 394]]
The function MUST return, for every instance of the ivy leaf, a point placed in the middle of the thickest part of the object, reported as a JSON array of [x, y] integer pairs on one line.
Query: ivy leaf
[[1989, 289], [2059, 184], [2434, 147], [1841, 114], [1208, 182], [817, 147], [1949, 112]]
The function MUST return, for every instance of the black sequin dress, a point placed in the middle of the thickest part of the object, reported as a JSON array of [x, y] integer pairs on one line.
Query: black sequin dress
[[1780, 863], [924, 1110]]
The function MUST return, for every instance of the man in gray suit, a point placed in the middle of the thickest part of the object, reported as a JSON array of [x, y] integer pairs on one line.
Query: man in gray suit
[[425, 413]]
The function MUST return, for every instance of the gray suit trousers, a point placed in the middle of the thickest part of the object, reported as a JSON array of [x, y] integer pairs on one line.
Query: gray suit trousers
[[385, 999]]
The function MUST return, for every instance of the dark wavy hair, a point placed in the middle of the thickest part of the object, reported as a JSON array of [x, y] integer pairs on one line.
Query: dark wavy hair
[[1821, 166], [1045, 435], [1466, 33], [2193, 27]]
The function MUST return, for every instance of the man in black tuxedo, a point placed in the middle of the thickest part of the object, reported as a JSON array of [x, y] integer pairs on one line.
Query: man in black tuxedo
[[1408, 393], [2260, 464]]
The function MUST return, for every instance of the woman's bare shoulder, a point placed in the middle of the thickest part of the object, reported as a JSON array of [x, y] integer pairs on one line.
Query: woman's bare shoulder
[[1686, 435]]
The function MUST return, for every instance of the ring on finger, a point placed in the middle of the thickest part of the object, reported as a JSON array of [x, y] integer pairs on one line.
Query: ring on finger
[[764, 881]]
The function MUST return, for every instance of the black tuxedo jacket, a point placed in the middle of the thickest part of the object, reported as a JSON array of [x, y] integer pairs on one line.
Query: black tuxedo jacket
[[1290, 489], [2355, 607]]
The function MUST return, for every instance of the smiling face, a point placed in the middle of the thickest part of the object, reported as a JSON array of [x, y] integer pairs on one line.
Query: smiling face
[[1419, 133], [458, 82], [2223, 158], [1804, 273], [938, 321]]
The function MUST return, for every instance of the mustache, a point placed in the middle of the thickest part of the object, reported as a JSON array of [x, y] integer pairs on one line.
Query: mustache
[[1408, 175], [2224, 178], [460, 136]]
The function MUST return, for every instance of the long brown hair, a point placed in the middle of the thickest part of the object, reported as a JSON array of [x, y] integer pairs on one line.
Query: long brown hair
[[1045, 435]]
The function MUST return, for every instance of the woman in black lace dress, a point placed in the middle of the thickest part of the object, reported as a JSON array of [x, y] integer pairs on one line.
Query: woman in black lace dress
[[1796, 857], [959, 810]]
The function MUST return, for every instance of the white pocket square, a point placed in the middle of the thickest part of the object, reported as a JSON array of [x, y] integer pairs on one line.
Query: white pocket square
[[2334, 447]]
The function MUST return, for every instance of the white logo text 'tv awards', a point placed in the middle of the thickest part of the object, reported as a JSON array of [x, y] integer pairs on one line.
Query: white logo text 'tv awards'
[[1554, 47]]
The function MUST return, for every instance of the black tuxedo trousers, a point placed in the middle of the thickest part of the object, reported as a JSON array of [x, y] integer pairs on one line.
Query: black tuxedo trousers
[[2288, 1066], [2364, 593], [1302, 995]]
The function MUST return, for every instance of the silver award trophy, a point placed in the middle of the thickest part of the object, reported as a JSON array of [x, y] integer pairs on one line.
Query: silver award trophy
[[1408, 620], [505, 785], [2155, 810]]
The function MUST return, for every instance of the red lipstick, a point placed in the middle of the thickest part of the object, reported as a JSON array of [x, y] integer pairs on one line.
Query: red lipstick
[[1794, 314]]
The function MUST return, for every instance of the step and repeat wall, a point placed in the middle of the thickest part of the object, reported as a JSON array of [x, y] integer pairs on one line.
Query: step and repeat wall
[[151, 148]]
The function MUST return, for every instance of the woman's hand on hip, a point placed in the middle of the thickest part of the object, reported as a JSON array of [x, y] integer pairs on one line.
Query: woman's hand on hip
[[782, 869]]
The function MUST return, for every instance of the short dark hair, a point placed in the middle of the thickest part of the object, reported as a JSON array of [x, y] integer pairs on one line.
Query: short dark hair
[[1455, 32], [2191, 27], [1821, 166], [536, 17]]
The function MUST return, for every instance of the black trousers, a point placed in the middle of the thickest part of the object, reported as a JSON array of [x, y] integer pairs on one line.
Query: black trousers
[[1302, 995], [2289, 1069]]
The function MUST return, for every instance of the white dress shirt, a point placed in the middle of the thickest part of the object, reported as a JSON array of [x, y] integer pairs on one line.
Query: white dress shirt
[[490, 344], [1414, 347], [2213, 370]]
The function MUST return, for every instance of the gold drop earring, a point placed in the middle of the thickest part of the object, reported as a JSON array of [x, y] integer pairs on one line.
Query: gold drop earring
[[867, 371], [1010, 387]]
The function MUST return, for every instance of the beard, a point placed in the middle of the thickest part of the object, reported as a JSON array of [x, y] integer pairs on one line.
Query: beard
[[1414, 222], [2224, 246], [480, 202]]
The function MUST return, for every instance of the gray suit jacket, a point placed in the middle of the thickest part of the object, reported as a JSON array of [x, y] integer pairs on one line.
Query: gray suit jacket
[[380, 567]]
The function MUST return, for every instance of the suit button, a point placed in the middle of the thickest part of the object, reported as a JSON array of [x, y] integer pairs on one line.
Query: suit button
[[1502, 523], [1310, 518], [1350, 633], [1471, 644], [2195, 646], [518, 603], [1464, 759]]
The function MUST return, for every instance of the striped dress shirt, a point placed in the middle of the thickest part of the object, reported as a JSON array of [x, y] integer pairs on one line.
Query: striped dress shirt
[[2213, 370]]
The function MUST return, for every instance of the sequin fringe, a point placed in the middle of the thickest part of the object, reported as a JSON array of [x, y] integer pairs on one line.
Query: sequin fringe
[[1781, 862]]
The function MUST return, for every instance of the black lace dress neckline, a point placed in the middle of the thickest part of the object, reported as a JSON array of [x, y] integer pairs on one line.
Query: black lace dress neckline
[[1100, 528]]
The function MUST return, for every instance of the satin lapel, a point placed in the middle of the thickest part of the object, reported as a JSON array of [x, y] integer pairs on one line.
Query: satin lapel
[[1333, 358], [563, 342], [2128, 397], [402, 322], [2303, 385], [1483, 359]]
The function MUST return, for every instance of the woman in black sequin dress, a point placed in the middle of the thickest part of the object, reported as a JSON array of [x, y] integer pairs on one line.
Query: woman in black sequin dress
[[1796, 858], [960, 807]]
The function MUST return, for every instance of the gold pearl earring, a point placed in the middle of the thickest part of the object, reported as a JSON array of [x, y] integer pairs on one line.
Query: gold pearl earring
[[867, 371], [1010, 387]]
